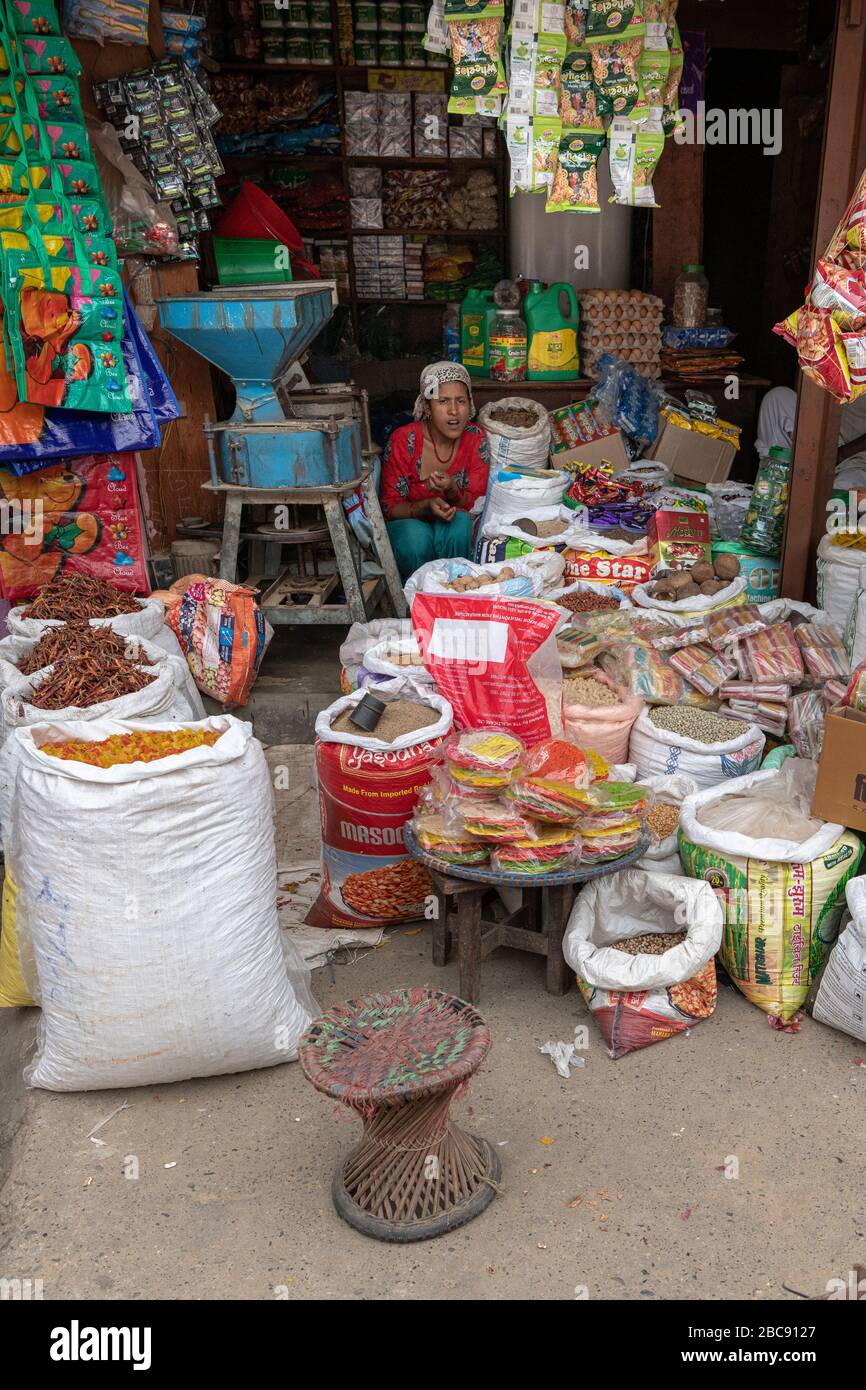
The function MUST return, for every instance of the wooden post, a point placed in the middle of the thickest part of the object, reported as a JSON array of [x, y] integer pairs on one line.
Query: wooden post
[[816, 434]]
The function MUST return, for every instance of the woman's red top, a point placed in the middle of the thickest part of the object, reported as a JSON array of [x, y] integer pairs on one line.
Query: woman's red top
[[401, 467]]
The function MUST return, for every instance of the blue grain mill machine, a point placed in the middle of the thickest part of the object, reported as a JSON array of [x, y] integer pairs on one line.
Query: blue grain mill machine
[[276, 438]]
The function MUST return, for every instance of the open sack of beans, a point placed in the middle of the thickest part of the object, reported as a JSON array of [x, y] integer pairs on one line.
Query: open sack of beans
[[704, 745], [368, 790], [598, 715], [662, 821], [155, 954], [642, 947], [780, 874], [583, 596]]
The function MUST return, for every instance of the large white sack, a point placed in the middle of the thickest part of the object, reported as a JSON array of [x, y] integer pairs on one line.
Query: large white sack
[[147, 896], [525, 445], [657, 751], [149, 622], [841, 998]]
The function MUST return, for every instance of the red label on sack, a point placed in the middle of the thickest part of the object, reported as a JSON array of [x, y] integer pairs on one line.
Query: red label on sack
[[623, 571]]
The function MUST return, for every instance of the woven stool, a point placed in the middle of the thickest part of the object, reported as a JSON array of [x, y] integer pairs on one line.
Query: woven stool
[[397, 1059]]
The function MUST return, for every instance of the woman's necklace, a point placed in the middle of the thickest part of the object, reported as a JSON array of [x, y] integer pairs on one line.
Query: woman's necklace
[[436, 451]]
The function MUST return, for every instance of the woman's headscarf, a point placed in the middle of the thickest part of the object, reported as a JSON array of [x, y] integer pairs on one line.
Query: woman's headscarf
[[435, 376]]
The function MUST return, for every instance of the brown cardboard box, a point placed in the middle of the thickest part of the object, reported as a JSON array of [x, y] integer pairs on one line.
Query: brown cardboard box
[[610, 450], [840, 792], [692, 457]]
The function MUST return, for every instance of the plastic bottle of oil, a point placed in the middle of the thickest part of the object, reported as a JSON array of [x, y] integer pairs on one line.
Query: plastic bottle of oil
[[552, 319]]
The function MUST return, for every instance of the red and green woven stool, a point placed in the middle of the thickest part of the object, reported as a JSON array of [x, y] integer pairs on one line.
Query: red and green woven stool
[[397, 1059]]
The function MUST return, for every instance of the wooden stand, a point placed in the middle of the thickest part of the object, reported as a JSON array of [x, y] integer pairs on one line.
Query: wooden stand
[[282, 590], [482, 923]]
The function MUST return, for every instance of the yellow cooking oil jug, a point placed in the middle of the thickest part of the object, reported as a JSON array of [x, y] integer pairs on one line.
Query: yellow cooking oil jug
[[552, 320]]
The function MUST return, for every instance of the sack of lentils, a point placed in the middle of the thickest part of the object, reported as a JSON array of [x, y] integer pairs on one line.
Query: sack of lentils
[[368, 790], [706, 746], [642, 947]]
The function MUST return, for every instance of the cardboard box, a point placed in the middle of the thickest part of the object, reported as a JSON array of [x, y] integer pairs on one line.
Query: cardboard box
[[579, 435], [692, 457], [678, 539], [840, 792]]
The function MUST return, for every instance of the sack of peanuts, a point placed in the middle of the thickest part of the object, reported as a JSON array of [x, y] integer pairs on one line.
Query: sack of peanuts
[[662, 821], [642, 947], [368, 790], [780, 874]]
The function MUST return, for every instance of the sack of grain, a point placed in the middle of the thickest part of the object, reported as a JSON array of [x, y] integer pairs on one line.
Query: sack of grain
[[368, 789], [511, 444], [560, 528], [154, 926], [841, 998], [780, 874], [599, 720], [703, 745], [360, 639], [669, 793], [642, 998]]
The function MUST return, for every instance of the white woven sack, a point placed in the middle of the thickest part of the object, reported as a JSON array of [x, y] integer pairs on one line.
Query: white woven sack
[[702, 604], [840, 1001], [664, 857], [838, 570], [657, 751], [528, 446], [149, 622], [526, 581], [154, 932]]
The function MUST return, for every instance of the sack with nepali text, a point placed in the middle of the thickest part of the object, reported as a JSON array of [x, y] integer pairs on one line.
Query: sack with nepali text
[[224, 636], [368, 791], [779, 874]]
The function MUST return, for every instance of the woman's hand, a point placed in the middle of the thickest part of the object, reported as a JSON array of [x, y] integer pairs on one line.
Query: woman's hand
[[441, 510]]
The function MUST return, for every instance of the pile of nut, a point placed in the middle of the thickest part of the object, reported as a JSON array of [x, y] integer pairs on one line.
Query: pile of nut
[[478, 581], [649, 943], [702, 578]]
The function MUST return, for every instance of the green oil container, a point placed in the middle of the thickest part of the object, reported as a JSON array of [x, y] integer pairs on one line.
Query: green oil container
[[552, 320], [476, 314]]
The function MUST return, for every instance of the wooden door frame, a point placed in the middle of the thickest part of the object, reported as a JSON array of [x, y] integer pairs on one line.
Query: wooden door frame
[[816, 433]]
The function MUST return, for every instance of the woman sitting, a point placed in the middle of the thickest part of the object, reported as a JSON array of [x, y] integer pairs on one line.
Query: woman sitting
[[433, 472]]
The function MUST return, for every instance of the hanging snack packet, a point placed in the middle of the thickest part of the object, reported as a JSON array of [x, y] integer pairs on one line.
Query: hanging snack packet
[[653, 69], [614, 19], [545, 137], [634, 152], [477, 57], [773, 655], [578, 109], [472, 9], [823, 651], [575, 182], [615, 73]]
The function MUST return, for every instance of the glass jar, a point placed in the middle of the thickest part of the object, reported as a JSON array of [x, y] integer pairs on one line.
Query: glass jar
[[764, 526], [507, 346], [691, 293]]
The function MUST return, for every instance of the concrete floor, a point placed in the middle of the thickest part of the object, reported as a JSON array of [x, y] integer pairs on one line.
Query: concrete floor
[[245, 1211]]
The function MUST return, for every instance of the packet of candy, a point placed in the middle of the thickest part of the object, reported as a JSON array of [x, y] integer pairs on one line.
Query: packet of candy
[[833, 693], [769, 717], [773, 655], [702, 668], [756, 690], [670, 638], [855, 694], [823, 650], [731, 624], [636, 666]]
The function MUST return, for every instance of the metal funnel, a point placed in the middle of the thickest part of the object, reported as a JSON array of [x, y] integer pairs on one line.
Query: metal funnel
[[253, 333]]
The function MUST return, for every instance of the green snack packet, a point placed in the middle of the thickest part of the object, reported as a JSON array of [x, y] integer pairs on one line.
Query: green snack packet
[[671, 118], [578, 103], [575, 180], [653, 70], [545, 143], [477, 56], [614, 19], [615, 74]]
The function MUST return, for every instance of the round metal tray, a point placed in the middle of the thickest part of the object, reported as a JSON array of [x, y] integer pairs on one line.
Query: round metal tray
[[482, 874]]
